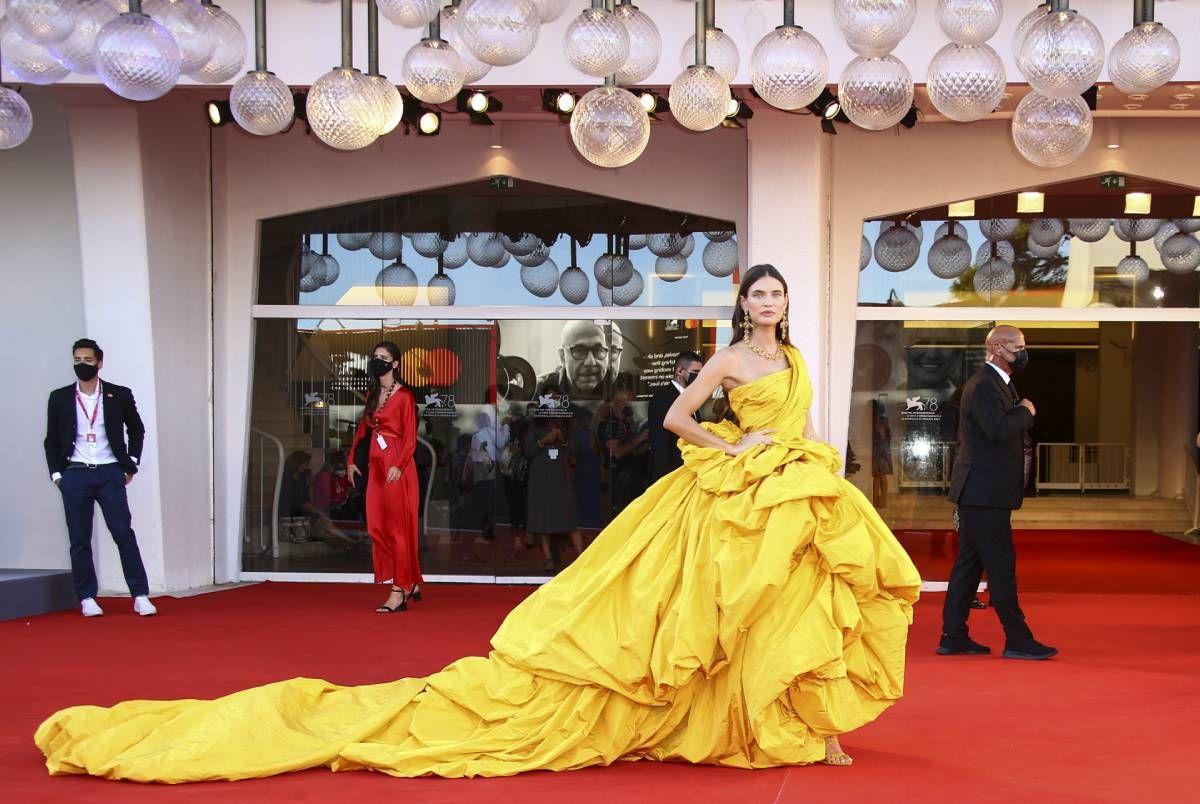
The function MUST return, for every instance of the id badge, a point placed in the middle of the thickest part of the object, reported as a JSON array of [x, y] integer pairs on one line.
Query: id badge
[[381, 441], [91, 437], [553, 453]]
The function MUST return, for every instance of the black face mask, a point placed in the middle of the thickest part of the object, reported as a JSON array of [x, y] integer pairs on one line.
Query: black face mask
[[690, 378], [86, 371], [1020, 359], [378, 366]]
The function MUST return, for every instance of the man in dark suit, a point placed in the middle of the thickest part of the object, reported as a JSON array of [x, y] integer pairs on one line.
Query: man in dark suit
[[664, 449], [90, 462], [987, 483]]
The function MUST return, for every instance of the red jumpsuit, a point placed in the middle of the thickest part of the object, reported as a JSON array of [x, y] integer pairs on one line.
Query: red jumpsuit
[[392, 507]]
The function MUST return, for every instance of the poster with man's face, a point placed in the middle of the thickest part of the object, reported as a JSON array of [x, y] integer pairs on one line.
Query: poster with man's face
[[588, 359]]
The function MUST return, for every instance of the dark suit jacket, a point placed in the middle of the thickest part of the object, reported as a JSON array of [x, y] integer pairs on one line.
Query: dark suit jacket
[[989, 469], [120, 417], [664, 449]]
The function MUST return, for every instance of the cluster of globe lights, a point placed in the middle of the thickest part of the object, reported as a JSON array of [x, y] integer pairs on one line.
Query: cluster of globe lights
[[617, 281], [141, 53], [899, 246]]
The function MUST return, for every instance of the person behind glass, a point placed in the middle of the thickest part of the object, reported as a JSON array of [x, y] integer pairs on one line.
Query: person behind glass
[[90, 462], [664, 446], [987, 483], [514, 469], [551, 510], [300, 501], [389, 422], [620, 435]]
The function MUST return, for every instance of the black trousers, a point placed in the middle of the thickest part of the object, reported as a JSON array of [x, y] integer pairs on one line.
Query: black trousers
[[984, 544], [81, 490]]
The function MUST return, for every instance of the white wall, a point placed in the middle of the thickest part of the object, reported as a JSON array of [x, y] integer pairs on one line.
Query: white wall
[[42, 314], [174, 153]]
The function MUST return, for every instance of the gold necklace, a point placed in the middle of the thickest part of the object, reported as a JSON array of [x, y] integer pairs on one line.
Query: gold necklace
[[763, 353]]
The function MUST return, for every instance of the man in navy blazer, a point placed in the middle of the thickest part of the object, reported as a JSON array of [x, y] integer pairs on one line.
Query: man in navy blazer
[[987, 483], [91, 462]]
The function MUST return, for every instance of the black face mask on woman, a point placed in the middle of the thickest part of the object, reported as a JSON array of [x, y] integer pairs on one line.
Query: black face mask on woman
[[86, 371], [378, 366]]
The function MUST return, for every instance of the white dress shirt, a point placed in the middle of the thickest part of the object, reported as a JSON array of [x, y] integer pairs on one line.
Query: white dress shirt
[[98, 450], [1003, 374]]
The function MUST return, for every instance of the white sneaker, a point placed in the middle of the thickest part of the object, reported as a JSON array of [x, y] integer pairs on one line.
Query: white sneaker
[[90, 608], [143, 606]]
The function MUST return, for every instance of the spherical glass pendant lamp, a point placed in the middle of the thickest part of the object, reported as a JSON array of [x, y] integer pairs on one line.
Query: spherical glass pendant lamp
[[609, 127], [76, 51], [136, 57], [789, 67], [500, 32], [1062, 54], [876, 92], [645, 44], [874, 27], [966, 82], [596, 42], [43, 22], [1144, 59], [1051, 132]]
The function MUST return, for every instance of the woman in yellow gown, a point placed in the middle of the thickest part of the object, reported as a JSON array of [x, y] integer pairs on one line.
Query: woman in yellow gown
[[744, 611]]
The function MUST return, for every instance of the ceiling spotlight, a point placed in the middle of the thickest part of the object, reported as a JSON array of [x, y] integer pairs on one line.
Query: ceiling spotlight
[[559, 101], [961, 209], [1091, 96], [648, 101], [478, 102], [218, 113], [1137, 203], [1114, 134], [430, 123], [732, 106], [1031, 201], [497, 142], [910, 118]]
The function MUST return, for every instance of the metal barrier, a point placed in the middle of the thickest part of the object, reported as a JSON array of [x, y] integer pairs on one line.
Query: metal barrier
[[256, 532], [1083, 467]]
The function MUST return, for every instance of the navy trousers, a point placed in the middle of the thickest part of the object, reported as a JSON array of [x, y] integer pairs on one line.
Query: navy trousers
[[81, 490]]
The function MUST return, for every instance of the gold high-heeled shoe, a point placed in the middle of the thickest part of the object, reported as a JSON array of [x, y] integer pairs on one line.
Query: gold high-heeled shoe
[[838, 757]]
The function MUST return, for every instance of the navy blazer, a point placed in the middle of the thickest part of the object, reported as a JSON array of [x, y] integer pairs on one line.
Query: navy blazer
[[989, 468], [120, 417]]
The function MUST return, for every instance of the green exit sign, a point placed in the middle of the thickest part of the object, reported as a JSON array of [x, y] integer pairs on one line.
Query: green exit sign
[[1112, 181], [502, 182]]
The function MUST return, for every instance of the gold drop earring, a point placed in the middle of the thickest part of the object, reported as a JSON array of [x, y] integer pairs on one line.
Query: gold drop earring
[[747, 327], [783, 325]]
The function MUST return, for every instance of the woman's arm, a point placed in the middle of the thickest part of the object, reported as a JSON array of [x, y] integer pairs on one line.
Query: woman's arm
[[406, 409], [679, 421]]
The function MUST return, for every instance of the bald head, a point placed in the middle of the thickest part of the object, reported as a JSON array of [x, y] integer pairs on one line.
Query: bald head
[[584, 355], [1003, 342]]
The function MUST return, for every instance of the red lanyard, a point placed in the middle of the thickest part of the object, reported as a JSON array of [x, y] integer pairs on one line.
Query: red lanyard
[[91, 417]]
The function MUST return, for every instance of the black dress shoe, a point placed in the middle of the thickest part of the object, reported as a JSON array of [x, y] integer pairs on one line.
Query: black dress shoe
[[978, 604], [961, 647], [1032, 650]]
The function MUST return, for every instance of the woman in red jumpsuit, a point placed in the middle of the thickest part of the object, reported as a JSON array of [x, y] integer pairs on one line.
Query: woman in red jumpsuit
[[390, 422]]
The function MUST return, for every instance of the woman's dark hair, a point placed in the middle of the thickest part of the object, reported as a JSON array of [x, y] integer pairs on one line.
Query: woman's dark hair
[[756, 273], [373, 388]]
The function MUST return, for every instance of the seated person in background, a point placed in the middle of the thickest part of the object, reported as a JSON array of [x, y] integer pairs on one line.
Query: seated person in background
[[331, 489], [296, 501]]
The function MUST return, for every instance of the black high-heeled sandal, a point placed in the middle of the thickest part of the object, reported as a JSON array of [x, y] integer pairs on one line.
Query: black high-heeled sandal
[[415, 594], [401, 606]]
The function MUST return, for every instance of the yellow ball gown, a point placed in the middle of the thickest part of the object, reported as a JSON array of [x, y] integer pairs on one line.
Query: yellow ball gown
[[735, 614]]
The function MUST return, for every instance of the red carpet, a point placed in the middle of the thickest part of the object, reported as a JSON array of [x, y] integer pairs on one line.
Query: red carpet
[[1111, 719], [1126, 562]]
